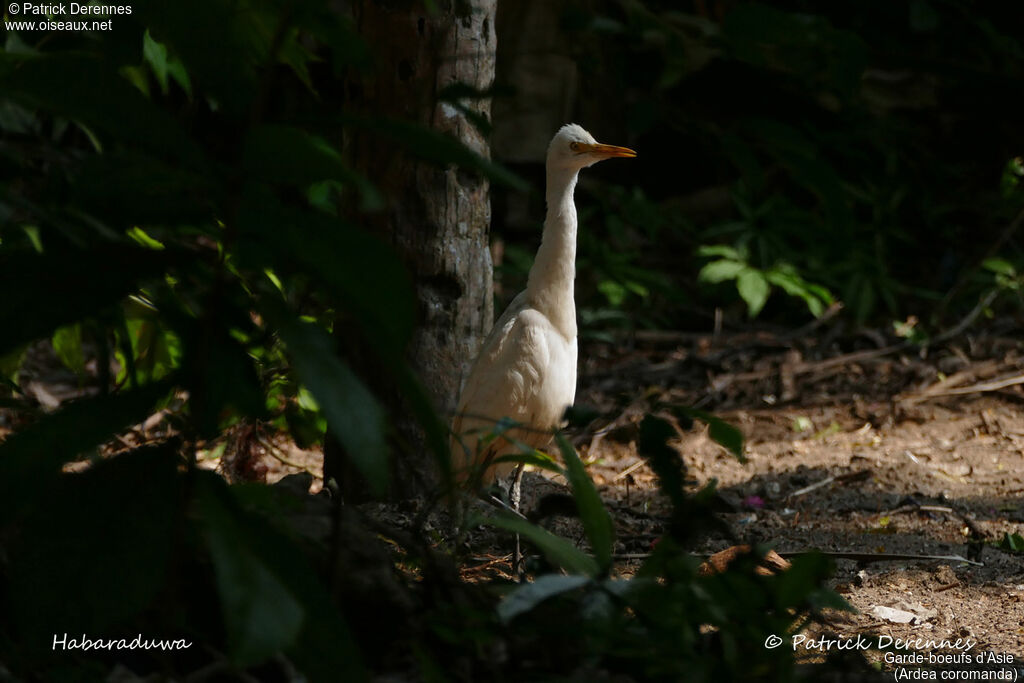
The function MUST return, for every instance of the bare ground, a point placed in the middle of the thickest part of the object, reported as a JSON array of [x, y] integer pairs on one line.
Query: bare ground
[[909, 468], [940, 484], [875, 456]]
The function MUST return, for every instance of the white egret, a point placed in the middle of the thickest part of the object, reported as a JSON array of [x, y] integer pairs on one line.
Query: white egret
[[526, 369]]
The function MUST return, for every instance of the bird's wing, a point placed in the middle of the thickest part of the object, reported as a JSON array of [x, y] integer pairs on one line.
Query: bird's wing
[[496, 338], [505, 380], [508, 372]]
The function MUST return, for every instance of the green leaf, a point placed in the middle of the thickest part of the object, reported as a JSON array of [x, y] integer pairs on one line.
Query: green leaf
[[130, 189], [28, 458], [155, 55], [262, 614], [324, 648], [351, 410], [112, 526], [143, 239], [156, 350], [222, 49], [67, 343], [720, 271], [613, 291], [91, 91], [238, 531], [32, 232], [726, 252], [43, 292], [1013, 543], [786, 277], [219, 375], [653, 446], [287, 154], [1000, 266], [529, 595], [596, 520], [164, 65], [532, 457], [753, 289], [720, 431], [557, 550], [10, 363], [1010, 182], [799, 584], [374, 287]]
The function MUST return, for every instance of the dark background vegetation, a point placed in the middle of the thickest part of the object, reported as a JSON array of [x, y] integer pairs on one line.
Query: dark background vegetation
[[177, 220], [870, 150]]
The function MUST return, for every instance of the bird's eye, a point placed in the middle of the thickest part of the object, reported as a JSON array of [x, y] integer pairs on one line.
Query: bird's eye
[[574, 146]]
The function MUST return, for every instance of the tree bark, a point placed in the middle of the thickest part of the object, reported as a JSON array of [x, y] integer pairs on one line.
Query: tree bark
[[437, 218]]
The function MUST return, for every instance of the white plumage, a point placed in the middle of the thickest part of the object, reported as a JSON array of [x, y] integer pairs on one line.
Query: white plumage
[[526, 369]]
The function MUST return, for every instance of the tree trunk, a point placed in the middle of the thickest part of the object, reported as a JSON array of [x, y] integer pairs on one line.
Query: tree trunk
[[437, 218]]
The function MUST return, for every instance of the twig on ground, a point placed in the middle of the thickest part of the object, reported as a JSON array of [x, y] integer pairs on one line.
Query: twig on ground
[[275, 453], [629, 470], [848, 476], [883, 557], [967, 320], [917, 508], [981, 387], [859, 557]]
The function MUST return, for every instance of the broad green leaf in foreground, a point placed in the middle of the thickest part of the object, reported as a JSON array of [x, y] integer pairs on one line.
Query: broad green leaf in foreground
[[593, 514], [556, 549], [528, 596], [351, 410]]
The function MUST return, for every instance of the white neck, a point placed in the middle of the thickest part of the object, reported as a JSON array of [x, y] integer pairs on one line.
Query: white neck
[[552, 277]]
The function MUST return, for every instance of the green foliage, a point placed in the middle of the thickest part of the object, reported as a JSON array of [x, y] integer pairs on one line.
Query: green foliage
[[122, 506], [178, 220], [67, 344], [611, 257], [754, 285], [668, 621], [596, 520], [720, 431], [1013, 543], [557, 550], [350, 408], [271, 599], [31, 458], [854, 152], [179, 224], [1005, 273]]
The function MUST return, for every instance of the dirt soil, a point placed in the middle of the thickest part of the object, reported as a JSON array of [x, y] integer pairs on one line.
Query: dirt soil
[[909, 467], [946, 481]]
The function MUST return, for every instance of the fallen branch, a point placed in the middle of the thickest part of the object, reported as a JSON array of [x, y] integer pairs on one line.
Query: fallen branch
[[883, 557], [981, 387], [802, 368], [849, 476], [275, 453], [839, 555], [629, 470]]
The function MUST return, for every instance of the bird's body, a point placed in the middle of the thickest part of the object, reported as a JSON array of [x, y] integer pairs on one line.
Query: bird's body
[[526, 369]]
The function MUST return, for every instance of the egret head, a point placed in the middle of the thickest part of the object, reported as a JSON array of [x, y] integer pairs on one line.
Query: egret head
[[574, 148]]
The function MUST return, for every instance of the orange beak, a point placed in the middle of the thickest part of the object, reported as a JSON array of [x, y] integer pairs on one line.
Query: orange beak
[[606, 151]]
